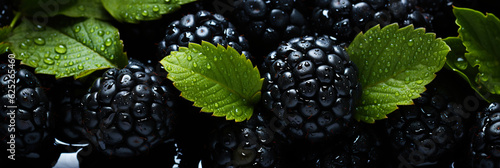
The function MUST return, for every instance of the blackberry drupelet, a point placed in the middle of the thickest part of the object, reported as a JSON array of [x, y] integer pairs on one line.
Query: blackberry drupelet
[[310, 86], [485, 144], [203, 25], [244, 144], [344, 19], [29, 120], [267, 23], [127, 112]]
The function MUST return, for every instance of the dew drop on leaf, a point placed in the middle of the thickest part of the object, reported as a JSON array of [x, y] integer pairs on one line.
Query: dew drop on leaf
[[61, 49], [40, 41], [156, 8], [461, 63], [410, 42], [49, 61]]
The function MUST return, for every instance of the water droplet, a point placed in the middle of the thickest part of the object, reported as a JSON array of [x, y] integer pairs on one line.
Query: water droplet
[[195, 65], [410, 42], [144, 13], [209, 66], [420, 81], [112, 57], [108, 42], [23, 45], [80, 67], [102, 47], [100, 33], [49, 61], [61, 49], [189, 58], [71, 63], [81, 7], [40, 41], [461, 63], [156, 8]]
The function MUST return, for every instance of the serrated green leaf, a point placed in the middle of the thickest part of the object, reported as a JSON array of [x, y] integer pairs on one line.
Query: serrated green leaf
[[394, 65], [68, 47], [133, 11], [456, 61], [480, 35], [217, 79], [87, 8]]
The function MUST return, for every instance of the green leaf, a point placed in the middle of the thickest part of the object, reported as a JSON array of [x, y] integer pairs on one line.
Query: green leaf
[[217, 79], [394, 65], [68, 47], [87, 8], [456, 61], [480, 35], [133, 11], [72, 8]]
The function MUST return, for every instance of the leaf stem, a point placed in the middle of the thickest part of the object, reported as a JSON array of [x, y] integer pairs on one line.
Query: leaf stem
[[14, 21]]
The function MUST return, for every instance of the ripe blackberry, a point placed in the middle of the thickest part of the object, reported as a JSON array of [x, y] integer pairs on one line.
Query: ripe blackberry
[[6, 13], [267, 23], [245, 144], [310, 86], [485, 146], [27, 118], [346, 18], [430, 131], [126, 112], [203, 25], [361, 149]]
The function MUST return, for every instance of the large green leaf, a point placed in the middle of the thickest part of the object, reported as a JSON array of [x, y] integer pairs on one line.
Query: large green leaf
[[68, 47], [480, 35], [133, 11], [40, 10], [394, 65], [217, 79]]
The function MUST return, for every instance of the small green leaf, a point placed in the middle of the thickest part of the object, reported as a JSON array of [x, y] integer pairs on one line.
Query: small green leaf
[[480, 35], [217, 79], [394, 65], [68, 47], [456, 61], [133, 11]]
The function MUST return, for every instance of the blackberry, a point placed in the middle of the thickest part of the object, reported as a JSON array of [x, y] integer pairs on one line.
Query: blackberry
[[203, 25], [360, 149], [28, 118], [346, 18], [6, 13], [310, 86], [431, 130], [485, 146], [245, 144], [127, 112], [267, 23]]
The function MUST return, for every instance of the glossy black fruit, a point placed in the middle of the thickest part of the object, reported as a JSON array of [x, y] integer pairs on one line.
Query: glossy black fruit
[[126, 112], [310, 86]]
